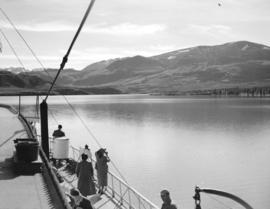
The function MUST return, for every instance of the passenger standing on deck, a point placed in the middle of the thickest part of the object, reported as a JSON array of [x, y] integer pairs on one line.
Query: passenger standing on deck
[[102, 169], [86, 151], [84, 172], [58, 132], [78, 201], [167, 202]]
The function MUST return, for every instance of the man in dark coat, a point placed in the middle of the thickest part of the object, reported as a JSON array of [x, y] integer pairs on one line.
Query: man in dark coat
[[167, 202], [58, 132]]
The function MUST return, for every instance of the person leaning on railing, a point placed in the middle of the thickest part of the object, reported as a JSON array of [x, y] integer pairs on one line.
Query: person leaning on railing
[[102, 169], [167, 202]]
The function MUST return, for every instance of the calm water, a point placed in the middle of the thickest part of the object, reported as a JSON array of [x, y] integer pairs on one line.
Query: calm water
[[176, 143]]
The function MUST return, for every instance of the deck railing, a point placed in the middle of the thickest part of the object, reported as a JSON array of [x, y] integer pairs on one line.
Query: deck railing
[[122, 194]]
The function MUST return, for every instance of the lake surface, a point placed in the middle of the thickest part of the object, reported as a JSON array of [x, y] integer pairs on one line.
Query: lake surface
[[175, 143]]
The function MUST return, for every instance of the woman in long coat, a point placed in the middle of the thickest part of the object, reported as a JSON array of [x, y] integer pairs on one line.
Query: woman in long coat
[[102, 169], [84, 172]]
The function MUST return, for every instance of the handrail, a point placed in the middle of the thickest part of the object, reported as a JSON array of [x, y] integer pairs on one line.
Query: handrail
[[46, 164], [118, 190], [11, 108], [54, 179], [122, 193]]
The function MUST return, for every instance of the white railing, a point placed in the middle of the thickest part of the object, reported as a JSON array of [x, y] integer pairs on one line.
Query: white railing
[[123, 195]]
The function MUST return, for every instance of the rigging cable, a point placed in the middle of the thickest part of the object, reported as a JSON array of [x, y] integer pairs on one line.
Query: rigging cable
[[19, 60], [62, 65], [219, 201], [12, 48], [93, 136], [28, 46], [61, 68]]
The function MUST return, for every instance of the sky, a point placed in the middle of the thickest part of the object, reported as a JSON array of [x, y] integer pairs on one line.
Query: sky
[[124, 28]]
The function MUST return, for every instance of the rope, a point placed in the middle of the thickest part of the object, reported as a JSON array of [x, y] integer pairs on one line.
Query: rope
[[13, 136], [13, 50], [65, 58], [61, 68], [28, 46], [93, 136], [219, 201], [62, 65]]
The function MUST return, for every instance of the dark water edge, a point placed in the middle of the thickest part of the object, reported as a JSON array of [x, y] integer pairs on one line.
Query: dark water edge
[[218, 142], [254, 91], [60, 91]]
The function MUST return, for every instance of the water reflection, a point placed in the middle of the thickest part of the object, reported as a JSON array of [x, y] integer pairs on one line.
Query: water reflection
[[177, 143]]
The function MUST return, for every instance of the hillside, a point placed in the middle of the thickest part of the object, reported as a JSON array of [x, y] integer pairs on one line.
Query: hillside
[[242, 64], [237, 64]]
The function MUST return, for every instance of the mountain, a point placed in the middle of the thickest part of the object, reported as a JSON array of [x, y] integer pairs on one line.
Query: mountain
[[15, 70], [119, 71], [237, 64], [67, 76], [9, 79]]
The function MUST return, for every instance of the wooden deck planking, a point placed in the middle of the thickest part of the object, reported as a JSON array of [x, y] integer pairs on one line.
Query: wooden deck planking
[[20, 191]]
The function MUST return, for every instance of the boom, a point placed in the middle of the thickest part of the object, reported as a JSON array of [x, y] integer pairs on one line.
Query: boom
[[219, 193]]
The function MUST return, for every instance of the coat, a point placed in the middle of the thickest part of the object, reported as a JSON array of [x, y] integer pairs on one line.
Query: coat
[[84, 172]]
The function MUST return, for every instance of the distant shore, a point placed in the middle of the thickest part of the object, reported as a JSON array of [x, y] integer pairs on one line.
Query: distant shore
[[58, 91], [236, 91]]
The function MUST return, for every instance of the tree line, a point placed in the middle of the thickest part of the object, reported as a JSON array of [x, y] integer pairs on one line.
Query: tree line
[[236, 91]]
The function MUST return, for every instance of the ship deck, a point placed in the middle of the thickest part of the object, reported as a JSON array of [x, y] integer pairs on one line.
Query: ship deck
[[19, 191]]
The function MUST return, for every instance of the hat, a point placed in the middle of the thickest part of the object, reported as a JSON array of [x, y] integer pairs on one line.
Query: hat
[[74, 192], [84, 156], [164, 192]]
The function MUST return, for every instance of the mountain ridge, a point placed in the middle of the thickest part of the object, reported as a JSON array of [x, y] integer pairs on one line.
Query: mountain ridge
[[229, 65]]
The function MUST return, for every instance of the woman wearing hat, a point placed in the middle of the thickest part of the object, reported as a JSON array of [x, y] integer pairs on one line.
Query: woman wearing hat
[[84, 172], [102, 169]]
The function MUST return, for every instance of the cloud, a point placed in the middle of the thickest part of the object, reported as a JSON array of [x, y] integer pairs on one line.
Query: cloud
[[81, 58], [101, 53], [29, 57], [162, 48], [209, 29], [122, 29], [42, 27], [128, 29]]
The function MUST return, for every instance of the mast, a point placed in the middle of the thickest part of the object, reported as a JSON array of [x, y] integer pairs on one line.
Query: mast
[[43, 105], [44, 128], [65, 58]]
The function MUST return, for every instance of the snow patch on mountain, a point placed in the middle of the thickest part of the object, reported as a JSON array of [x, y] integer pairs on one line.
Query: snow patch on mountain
[[171, 57], [245, 47]]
